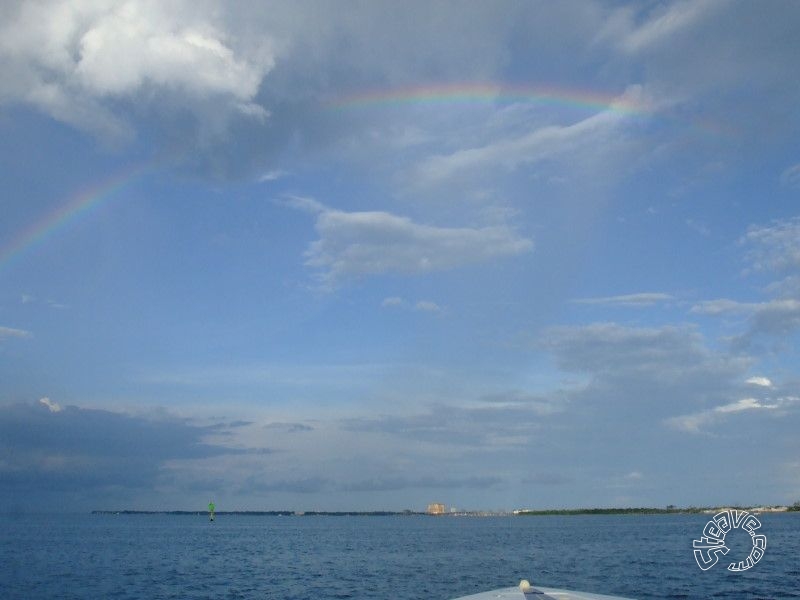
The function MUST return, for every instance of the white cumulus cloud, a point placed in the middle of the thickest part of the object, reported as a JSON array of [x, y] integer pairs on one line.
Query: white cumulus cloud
[[779, 317], [698, 421], [663, 28], [91, 63], [628, 300], [10, 332], [791, 176], [51, 406], [774, 247], [421, 306], [513, 151], [394, 302], [357, 244], [723, 306], [427, 306]]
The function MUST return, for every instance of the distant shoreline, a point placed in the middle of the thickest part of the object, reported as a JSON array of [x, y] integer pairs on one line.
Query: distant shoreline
[[262, 513], [654, 511], [515, 513]]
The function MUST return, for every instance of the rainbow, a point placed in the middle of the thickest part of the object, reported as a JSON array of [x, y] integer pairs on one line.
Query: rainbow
[[628, 103], [78, 204], [492, 93]]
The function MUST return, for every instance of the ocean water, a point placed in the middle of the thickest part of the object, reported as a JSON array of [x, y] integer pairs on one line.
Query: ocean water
[[387, 557]]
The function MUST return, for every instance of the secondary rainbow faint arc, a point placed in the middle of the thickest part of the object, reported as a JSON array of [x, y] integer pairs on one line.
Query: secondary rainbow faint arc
[[79, 203], [487, 92]]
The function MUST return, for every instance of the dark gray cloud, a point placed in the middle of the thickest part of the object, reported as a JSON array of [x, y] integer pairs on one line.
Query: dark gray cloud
[[548, 478], [774, 250], [227, 426], [668, 357], [777, 318], [633, 381], [288, 427], [485, 425], [770, 251], [302, 485], [433, 483], [89, 455], [621, 386], [315, 485], [740, 46]]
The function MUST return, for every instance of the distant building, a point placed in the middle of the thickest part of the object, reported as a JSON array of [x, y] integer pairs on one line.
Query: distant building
[[436, 508]]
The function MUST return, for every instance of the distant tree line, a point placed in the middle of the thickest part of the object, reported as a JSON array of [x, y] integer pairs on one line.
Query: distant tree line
[[262, 513], [611, 511], [670, 509]]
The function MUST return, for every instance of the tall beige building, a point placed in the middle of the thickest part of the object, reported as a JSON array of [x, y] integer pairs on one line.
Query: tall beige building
[[436, 508]]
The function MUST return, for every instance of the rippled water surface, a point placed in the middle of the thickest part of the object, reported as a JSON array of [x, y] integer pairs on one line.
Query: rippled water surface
[[408, 557]]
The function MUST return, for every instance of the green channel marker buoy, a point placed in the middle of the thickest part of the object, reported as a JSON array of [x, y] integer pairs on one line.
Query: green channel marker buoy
[[211, 508]]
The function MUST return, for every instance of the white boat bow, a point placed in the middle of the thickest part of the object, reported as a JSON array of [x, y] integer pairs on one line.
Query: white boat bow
[[525, 591]]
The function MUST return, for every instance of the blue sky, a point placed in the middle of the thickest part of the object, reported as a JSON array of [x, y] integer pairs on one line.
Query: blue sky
[[368, 256]]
